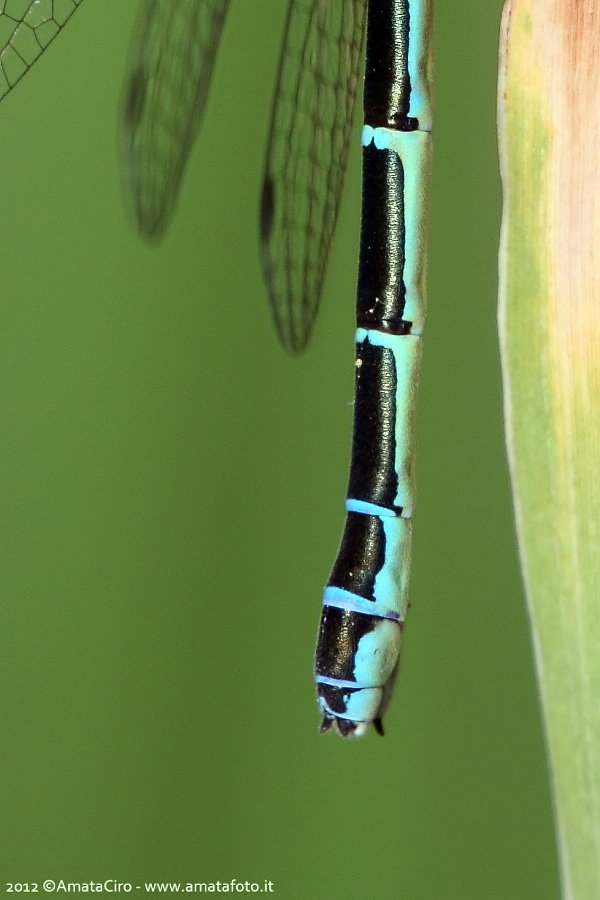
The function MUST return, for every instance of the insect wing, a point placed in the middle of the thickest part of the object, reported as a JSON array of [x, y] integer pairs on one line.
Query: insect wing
[[26, 29], [169, 69], [307, 154]]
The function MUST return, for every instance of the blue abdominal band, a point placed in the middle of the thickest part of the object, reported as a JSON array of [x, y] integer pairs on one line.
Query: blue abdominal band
[[406, 350], [391, 583]]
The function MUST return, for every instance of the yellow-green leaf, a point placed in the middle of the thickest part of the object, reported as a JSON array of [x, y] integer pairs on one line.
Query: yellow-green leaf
[[549, 316]]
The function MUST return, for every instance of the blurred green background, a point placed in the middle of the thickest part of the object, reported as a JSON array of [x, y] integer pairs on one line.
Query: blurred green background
[[172, 499]]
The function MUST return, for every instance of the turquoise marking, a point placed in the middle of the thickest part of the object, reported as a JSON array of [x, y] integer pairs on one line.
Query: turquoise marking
[[341, 599], [363, 705], [367, 135], [382, 138], [376, 654], [406, 350], [335, 682], [392, 581], [368, 509], [414, 150], [419, 63]]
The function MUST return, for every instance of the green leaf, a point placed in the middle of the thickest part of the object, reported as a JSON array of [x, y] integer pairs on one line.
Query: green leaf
[[549, 318]]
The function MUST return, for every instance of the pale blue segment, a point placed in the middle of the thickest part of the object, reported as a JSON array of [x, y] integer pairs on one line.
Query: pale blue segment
[[390, 588], [364, 705], [361, 706], [381, 138], [341, 599], [414, 150], [335, 682], [420, 67], [376, 654], [391, 582], [368, 509], [367, 135], [406, 350]]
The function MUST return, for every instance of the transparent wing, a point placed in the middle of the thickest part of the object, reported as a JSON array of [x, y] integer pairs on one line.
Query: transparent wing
[[26, 29], [170, 64], [306, 157]]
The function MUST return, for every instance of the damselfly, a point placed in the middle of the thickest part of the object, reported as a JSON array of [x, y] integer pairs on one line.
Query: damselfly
[[167, 83]]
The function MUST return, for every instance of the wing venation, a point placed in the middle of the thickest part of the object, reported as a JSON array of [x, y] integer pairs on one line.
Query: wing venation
[[26, 29], [306, 159], [171, 59]]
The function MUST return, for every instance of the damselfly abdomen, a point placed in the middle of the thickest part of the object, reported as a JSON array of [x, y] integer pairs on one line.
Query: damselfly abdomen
[[171, 60], [366, 597]]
